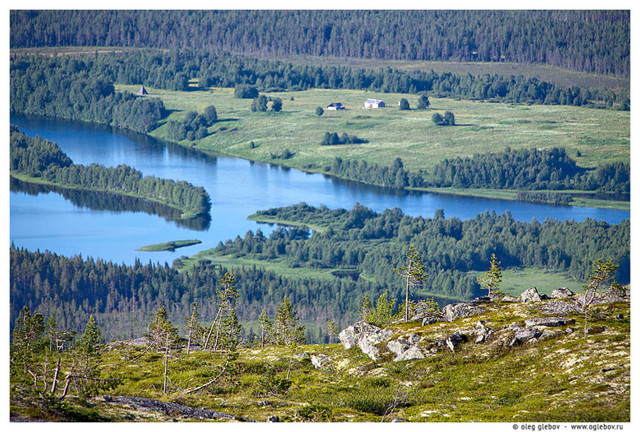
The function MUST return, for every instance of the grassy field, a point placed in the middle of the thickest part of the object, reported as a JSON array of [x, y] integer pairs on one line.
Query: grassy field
[[599, 135]]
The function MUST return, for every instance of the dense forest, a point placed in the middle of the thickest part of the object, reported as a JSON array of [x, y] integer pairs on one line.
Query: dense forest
[[67, 88], [588, 40], [37, 157], [524, 169], [362, 245]]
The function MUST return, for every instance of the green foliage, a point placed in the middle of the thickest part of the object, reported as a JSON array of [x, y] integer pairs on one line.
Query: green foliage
[[319, 111], [413, 272], [492, 278], [332, 138], [404, 104], [194, 126], [270, 384], [244, 91], [382, 313], [423, 102], [447, 120]]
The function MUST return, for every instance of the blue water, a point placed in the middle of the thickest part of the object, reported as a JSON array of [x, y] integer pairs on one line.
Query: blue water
[[237, 188]]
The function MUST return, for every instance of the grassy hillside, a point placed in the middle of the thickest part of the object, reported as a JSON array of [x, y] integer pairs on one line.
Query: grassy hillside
[[599, 135], [559, 376]]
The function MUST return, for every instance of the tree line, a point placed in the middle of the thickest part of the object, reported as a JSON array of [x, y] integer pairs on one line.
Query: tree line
[[524, 169], [173, 70], [40, 158], [591, 41]]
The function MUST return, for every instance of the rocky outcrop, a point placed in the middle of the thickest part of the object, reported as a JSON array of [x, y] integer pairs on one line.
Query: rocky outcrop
[[452, 312], [365, 336], [523, 335], [560, 293], [560, 307], [530, 295], [454, 340], [413, 353], [482, 332], [548, 322], [171, 409]]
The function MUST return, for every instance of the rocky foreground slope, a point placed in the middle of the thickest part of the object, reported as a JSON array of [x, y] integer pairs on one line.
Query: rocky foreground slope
[[527, 358]]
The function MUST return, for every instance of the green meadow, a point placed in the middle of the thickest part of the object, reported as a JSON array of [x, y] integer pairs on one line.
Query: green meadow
[[591, 136]]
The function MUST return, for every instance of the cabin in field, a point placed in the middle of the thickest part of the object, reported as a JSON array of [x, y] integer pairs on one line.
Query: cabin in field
[[335, 106], [142, 91], [373, 103]]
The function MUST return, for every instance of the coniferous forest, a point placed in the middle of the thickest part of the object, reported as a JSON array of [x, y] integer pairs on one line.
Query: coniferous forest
[[591, 41]]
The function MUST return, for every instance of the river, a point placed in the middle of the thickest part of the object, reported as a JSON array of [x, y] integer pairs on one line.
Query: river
[[238, 188]]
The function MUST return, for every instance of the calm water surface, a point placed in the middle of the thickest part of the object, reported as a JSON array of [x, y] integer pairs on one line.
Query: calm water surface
[[237, 187]]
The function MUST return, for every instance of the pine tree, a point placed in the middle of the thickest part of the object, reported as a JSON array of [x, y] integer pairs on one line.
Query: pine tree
[[413, 271], [287, 328], [492, 278], [163, 335]]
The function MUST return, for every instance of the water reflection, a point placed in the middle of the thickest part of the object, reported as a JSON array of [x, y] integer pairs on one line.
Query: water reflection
[[104, 201]]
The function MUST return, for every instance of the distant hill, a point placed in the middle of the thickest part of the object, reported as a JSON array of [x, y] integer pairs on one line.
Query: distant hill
[[590, 41]]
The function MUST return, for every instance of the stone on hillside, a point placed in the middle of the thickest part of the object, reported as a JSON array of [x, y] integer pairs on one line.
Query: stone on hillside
[[430, 320], [319, 360], [563, 292], [510, 299], [454, 340], [398, 346], [413, 353], [525, 335], [369, 349], [454, 311], [558, 307], [530, 295], [352, 334], [482, 333], [548, 322]]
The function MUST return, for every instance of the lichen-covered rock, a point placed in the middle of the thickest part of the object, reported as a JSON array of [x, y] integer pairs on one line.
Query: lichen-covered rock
[[525, 335], [455, 311], [548, 322], [482, 332], [413, 353], [510, 299], [398, 346], [563, 292], [530, 295], [352, 335]]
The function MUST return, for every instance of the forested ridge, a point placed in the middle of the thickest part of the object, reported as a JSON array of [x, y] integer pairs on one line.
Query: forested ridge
[[39, 158], [588, 40], [365, 245]]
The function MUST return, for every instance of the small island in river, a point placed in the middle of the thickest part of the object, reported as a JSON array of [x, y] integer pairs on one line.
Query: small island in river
[[169, 246]]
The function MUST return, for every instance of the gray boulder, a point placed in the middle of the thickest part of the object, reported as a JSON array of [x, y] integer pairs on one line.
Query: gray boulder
[[455, 311], [530, 295], [510, 299], [398, 346], [563, 292], [482, 333], [525, 335], [365, 336], [454, 340], [413, 353], [548, 322]]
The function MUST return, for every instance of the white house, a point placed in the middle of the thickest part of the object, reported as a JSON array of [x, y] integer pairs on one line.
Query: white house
[[335, 106], [373, 103]]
